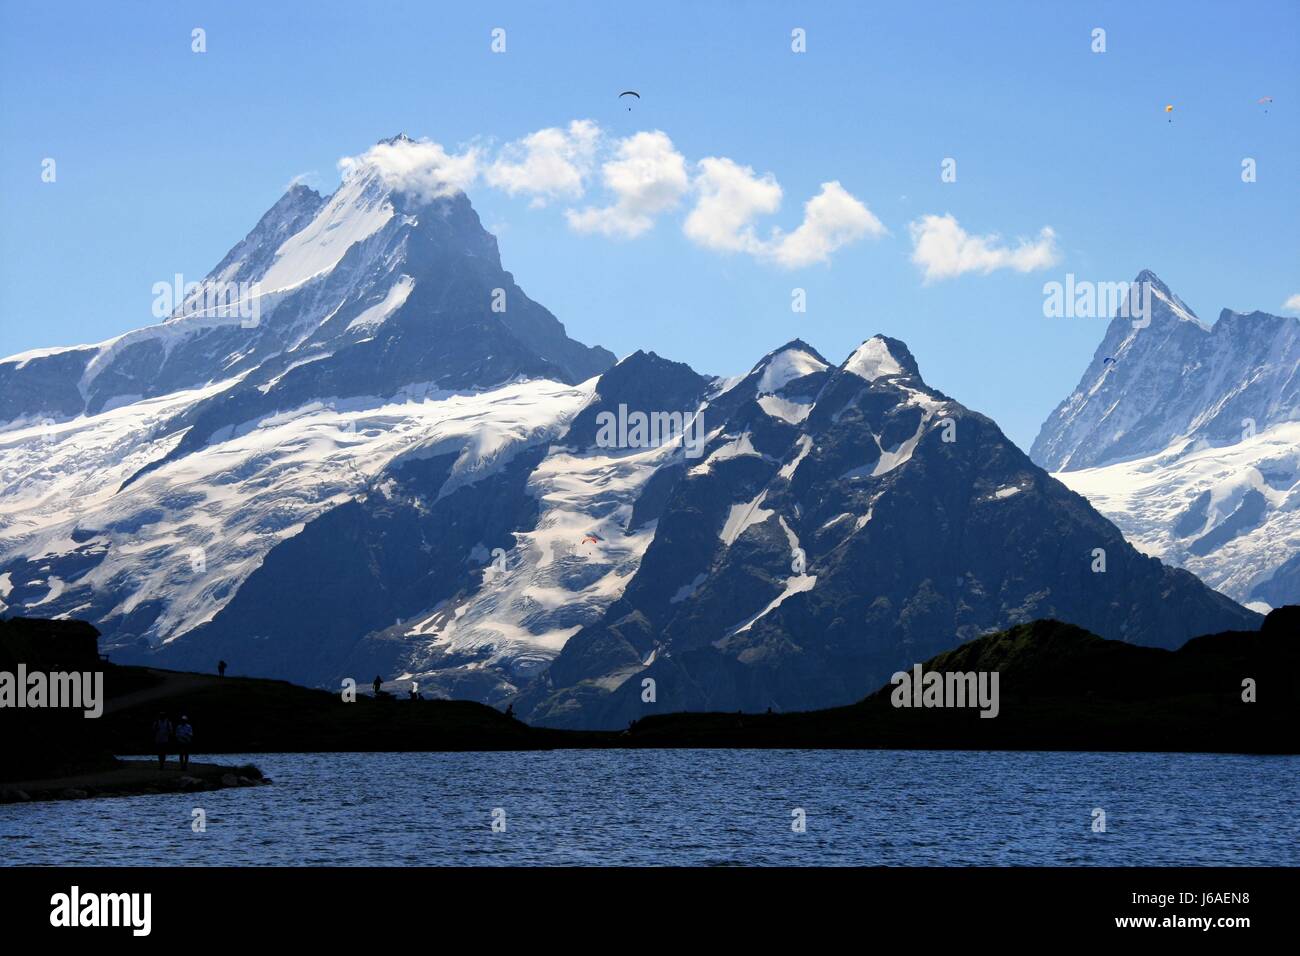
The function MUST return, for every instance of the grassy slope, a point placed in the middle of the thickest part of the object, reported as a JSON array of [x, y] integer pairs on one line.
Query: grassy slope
[[1061, 688], [249, 715]]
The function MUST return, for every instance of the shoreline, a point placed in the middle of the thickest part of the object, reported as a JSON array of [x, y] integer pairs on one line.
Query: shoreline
[[132, 778]]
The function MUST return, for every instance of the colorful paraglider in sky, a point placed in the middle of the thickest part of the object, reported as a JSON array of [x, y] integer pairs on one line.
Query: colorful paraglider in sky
[[1170, 109], [591, 538], [1264, 101]]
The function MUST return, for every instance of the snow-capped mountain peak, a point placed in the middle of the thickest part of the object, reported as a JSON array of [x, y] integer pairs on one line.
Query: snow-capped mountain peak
[[358, 208], [792, 361], [1178, 431], [875, 359], [1150, 383], [389, 282], [1172, 305]]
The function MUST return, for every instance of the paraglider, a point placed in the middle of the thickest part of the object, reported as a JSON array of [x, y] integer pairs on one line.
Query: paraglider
[[1264, 101], [592, 537], [628, 93], [1107, 361], [1170, 109]]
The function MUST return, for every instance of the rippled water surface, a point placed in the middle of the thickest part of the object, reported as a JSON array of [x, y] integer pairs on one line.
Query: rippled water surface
[[704, 807]]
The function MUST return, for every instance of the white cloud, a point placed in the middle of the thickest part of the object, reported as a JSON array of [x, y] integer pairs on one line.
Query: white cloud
[[831, 219], [729, 197], [548, 164], [420, 167], [944, 250], [647, 178], [1292, 304]]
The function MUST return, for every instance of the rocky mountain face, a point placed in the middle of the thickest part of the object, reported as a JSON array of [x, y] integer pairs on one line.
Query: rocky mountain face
[[467, 587], [370, 290], [1174, 378], [1188, 437], [842, 523], [387, 473]]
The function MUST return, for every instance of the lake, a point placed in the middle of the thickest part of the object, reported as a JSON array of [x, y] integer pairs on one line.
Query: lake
[[694, 807]]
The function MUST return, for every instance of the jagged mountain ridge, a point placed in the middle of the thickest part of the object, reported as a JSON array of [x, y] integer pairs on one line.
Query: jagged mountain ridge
[[369, 290], [1176, 378], [846, 522], [1189, 439]]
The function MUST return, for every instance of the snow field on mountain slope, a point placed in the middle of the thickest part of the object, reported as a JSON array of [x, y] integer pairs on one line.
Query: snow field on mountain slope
[[237, 498], [1147, 498], [357, 210], [556, 578]]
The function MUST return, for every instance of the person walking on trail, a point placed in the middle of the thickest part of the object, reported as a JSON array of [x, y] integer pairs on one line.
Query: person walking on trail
[[184, 739], [162, 736], [221, 668]]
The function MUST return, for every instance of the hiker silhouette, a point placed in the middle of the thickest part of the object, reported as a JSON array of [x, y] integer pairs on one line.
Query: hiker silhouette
[[184, 733], [378, 683], [221, 668], [162, 736]]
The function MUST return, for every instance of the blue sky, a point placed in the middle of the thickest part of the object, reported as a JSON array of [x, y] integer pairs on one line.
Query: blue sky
[[166, 158]]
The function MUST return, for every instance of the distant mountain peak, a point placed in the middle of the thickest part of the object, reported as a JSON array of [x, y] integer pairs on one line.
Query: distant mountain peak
[[781, 366], [1164, 303], [794, 345], [643, 359], [391, 262], [1171, 378], [881, 357], [297, 190], [1146, 275]]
